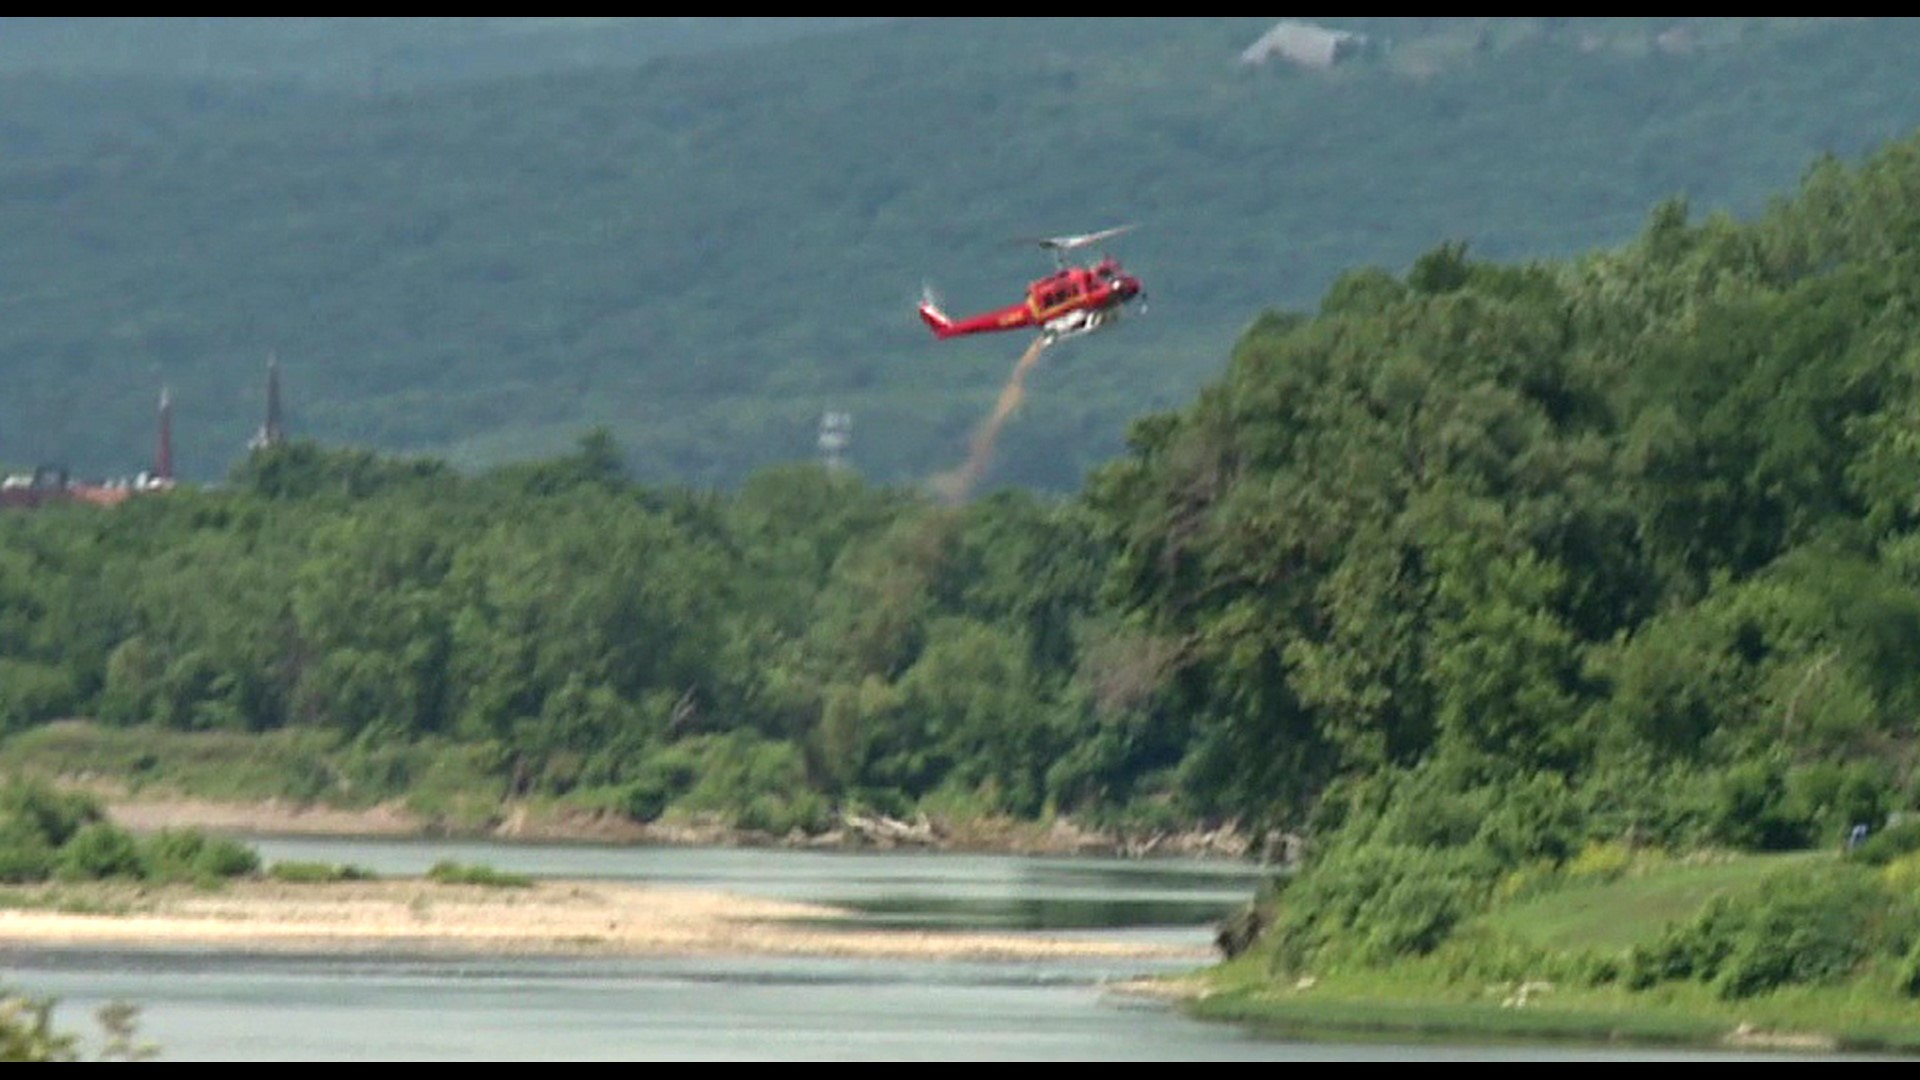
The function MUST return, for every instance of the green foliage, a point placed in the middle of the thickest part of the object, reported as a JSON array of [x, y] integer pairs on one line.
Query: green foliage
[[46, 833], [759, 785], [1907, 978], [100, 851], [1600, 861], [27, 1032], [52, 815], [662, 778], [36, 823], [448, 872], [1813, 926], [119, 1026], [190, 855], [1884, 846], [1752, 809], [1377, 903], [297, 872], [25, 855], [474, 639], [32, 693], [1646, 803], [1838, 796], [304, 469]]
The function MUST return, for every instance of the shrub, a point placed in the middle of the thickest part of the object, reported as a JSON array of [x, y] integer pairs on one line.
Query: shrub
[[25, 855], [1795, 928], [799, 811], [1752, 809], [453, 873], [660, 779], [1645, 805], [32, 693], [1686, 952], [1380, 902], [317, 873], [1601, 861], [1907, 979], [1902, 875], [27, 1032], [758, 784], [99, 851], [55, 816], [189, 855], [1837, 796], [1534, 818], [1801, 933], [1889, 844]]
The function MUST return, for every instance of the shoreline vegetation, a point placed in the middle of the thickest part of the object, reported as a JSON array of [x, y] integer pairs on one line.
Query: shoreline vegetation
[[144, 813]]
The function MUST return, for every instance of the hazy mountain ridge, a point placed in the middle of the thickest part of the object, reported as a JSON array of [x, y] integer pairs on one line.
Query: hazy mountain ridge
[[703, 252], [376, 54]]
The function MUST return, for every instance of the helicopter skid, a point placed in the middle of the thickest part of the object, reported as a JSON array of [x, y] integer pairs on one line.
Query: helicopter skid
[[1078, 324]]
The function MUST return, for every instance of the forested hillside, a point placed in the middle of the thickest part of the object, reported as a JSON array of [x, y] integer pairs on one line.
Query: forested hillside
[[374, 54], [1498, 576], [703, 252]]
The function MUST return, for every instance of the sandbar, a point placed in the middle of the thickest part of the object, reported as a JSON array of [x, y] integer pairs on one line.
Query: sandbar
[[548, 917]]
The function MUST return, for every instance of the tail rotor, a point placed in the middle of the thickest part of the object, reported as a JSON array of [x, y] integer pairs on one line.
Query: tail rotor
[[932, 314]]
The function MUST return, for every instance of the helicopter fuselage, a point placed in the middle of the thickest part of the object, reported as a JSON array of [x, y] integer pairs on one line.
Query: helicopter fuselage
[[1071, 301]]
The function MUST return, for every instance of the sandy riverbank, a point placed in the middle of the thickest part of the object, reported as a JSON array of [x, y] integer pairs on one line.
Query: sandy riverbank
[[549, 917]]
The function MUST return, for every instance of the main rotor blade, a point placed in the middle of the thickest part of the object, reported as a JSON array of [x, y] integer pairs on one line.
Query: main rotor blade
[[1069, 243]]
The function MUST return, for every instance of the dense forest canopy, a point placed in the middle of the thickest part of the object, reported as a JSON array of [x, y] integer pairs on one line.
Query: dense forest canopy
[[703, 240]]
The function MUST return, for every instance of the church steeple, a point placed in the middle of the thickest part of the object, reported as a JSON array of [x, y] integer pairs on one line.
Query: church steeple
[[271, 433]]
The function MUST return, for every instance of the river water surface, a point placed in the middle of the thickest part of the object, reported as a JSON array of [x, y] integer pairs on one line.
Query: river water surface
[[209, 1005]]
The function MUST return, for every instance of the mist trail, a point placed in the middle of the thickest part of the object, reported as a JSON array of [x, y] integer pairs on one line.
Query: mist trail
[[957, 485]]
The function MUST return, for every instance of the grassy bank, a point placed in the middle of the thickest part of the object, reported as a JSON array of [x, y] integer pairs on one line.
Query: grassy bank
[[1409, 1006], [1546, 968]]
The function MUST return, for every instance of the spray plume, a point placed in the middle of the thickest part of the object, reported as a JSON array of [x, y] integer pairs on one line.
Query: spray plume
[[957, 485]]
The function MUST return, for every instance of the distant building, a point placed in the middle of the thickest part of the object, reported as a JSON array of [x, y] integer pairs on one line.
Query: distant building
[[272, 432], [50, 484], [1304, 45]]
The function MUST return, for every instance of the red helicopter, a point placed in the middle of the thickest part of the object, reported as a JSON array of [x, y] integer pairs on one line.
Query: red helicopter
[[1071, 301]]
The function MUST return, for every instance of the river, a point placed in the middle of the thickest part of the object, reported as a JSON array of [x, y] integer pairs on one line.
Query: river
[[209, 1005]]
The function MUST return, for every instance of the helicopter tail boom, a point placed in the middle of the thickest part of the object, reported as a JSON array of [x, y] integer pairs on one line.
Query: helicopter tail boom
[[936, 320]]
